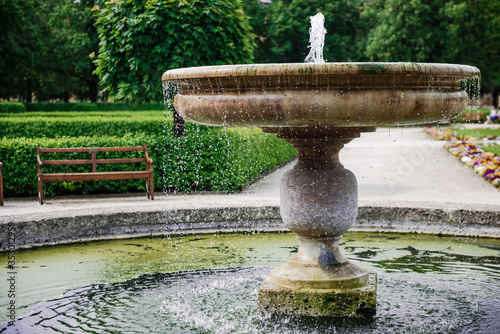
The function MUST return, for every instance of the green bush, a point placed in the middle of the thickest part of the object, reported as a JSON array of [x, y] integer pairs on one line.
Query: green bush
[[485, 111], [72, 115], [207, 158], [12, 107], [210, 158], [34, 127], [46, 106], [85, 107]]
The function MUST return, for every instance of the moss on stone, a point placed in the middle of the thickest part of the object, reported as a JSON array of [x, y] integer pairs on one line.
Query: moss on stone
[[372, 68], [348, 303]]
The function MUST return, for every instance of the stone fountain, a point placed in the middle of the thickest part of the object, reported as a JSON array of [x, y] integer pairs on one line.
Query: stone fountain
[[318, 108]]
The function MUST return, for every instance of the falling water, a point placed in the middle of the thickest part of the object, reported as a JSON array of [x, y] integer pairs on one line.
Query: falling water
[[316, 39], [472, 87]]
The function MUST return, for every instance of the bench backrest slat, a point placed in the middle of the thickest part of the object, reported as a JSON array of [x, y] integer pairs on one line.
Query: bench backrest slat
[[90, 162], [91, 149]]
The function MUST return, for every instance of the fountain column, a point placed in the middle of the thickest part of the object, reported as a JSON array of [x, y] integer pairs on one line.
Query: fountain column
[[319, 202]]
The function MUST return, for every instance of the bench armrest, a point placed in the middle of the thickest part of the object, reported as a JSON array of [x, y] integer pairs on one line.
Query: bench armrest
[[148, 159]]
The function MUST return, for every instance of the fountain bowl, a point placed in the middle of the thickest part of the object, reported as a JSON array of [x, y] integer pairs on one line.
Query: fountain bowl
[[322, 95]]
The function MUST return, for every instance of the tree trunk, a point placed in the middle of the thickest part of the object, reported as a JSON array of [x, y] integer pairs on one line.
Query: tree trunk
[[495, 94], [94, 83], [93, 88], [29, 89], [179, 126]]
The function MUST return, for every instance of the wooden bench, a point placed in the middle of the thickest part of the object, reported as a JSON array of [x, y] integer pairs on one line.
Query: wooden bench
[[94, 175], [1, 185], [472, 116]]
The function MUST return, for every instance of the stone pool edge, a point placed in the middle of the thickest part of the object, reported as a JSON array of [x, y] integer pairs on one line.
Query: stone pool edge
[[36, 232]]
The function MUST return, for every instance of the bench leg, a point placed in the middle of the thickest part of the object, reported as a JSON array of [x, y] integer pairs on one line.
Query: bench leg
[[1, 189], [40, 191], [152, 188]]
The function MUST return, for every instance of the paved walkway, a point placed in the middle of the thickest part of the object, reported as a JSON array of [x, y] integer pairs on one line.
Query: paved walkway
[[395, 167]]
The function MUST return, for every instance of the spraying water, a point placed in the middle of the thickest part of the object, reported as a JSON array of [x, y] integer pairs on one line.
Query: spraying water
[[317, 39]]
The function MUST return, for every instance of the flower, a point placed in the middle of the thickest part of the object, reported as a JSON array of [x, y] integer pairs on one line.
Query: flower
[[470, 153]]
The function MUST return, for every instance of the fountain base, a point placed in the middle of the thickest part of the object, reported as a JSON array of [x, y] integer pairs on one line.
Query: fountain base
[[294, 289]]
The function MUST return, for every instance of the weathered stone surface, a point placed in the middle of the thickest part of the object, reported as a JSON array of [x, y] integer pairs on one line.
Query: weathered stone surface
[[354, 302], [30, 231], [330, 94]]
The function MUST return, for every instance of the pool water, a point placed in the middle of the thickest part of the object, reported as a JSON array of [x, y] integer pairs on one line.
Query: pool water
[[209, 283]]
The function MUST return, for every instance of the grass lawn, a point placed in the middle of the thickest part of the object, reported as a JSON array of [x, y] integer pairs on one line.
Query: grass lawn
[[482, 133], [492, 148], [477, 132]]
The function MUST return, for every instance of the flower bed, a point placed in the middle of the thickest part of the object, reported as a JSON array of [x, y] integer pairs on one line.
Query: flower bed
[[469, 151]]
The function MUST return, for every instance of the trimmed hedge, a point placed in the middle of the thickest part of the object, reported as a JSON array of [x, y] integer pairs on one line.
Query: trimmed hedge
[[20, 174], [12, 107], [100, 106], [71, 115], [54, 127], [206, 159]]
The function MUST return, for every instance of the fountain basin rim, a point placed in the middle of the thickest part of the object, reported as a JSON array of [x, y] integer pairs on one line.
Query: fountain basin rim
[[308, 69]]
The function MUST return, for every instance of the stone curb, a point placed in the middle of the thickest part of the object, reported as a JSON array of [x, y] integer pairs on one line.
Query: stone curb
[[82, 228]]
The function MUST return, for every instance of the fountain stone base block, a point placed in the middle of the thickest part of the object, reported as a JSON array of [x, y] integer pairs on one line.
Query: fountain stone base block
[[342, 301], [319, 202]]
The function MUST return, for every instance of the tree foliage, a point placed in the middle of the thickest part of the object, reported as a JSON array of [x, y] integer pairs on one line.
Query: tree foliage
[[73, 45], [442, 31], [21, 44], [45, 47], [282, 29], [50, 47], [140, 39]]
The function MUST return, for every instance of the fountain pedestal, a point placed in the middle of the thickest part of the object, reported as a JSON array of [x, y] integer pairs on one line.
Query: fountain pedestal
[[319, 202]]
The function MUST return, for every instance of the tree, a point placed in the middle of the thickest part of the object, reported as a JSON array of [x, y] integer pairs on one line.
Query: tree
[[444, 31], [406, 30], [473, 35], [259, 17], [140, 39], [45, 47], [73, 45], [282, 29], [21, 46]]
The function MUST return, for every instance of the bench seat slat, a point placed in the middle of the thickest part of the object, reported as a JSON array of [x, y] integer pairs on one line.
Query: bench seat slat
[[90, 162], [96, 176]]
